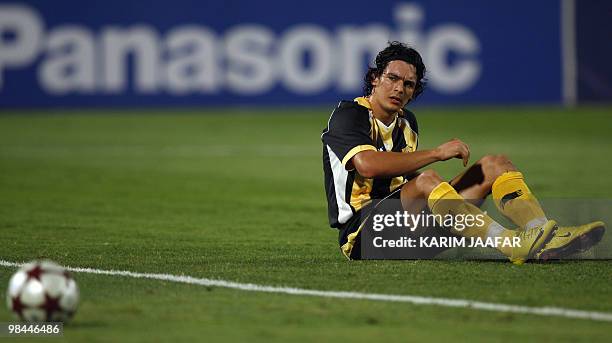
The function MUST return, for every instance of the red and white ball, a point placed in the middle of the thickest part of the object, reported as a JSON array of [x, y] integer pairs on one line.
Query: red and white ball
[[42, 291]]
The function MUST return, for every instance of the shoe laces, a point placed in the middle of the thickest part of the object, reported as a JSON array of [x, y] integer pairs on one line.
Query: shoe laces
[[528, 234]]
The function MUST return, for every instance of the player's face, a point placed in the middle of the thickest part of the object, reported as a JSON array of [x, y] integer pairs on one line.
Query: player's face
[[395, 87]]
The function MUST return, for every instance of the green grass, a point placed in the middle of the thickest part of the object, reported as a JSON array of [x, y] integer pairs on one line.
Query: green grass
[[238, 196]]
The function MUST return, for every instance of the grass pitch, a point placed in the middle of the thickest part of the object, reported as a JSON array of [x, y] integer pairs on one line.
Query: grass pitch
[[239, 196]]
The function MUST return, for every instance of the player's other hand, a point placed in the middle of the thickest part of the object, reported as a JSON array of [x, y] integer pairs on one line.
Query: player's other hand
[[454, 148]]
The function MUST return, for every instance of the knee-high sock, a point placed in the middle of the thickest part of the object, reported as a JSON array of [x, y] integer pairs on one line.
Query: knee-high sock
[[515, 201], [445, 200]]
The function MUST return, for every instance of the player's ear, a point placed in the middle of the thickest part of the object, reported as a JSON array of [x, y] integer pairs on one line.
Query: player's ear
[[375, 81]]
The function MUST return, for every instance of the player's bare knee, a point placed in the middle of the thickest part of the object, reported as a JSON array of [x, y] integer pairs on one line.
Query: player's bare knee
[[427, 181], [504, 164], [429, 174], [493, 166], [488, 160]]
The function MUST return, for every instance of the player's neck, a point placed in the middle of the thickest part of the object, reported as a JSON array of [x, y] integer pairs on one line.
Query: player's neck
[[379, 113]]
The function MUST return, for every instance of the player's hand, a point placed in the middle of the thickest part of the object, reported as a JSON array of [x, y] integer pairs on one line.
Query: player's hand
[[454, 148]]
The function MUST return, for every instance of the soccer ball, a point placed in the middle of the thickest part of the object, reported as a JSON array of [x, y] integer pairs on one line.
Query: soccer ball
[[42, 291]]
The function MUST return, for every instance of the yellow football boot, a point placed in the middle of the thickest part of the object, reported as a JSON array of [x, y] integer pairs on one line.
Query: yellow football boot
[[532, 241], [569, 240]]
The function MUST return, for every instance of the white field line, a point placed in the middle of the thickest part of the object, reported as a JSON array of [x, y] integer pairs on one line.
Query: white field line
[[418, 300]]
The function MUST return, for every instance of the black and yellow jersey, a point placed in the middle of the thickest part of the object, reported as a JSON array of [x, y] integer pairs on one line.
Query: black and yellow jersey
[[351, 129]]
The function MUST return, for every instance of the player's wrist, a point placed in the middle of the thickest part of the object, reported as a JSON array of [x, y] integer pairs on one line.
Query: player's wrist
[[436, 154]]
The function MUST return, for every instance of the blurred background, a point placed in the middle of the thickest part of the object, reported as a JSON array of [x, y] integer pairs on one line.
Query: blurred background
[[69, 53]]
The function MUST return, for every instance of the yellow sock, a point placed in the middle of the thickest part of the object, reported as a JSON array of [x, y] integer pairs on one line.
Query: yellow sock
[[445, 200], [515, 201]]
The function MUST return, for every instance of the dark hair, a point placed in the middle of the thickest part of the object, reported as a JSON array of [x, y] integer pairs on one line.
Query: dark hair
[[396, 51]]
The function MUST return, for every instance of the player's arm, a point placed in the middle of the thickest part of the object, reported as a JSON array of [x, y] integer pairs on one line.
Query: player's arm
[[372, 164]]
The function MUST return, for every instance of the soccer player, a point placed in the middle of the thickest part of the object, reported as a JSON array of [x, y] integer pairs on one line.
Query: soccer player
[[370, 152]]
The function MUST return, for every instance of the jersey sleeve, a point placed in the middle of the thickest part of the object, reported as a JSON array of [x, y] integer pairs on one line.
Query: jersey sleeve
[[348, 132]]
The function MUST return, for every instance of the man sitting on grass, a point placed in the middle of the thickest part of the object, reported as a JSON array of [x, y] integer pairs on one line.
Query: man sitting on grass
[[370, 152]]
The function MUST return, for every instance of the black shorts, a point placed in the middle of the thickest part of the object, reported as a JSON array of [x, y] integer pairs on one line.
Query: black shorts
[[353, 226]]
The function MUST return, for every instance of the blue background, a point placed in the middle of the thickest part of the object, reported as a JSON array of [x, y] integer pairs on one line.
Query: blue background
[[520, 46]]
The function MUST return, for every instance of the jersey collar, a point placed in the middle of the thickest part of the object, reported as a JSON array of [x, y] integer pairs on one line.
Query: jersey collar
[[363, 101]]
